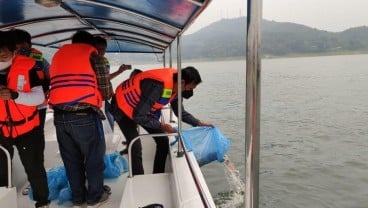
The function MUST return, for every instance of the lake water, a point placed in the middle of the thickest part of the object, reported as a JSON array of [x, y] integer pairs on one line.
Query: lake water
[[314, 117]]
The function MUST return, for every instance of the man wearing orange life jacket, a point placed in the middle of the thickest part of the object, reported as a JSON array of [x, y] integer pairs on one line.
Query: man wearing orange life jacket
[[137, 100], [79, 84], [20, 93], [24, 47]]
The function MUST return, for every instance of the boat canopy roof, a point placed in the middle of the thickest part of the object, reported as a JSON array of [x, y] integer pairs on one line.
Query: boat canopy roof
[[130, 26]]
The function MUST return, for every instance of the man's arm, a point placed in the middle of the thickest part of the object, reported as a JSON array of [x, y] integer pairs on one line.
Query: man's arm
[[33, 98], [121, 69], [151, 91], [186, 117], [102, 76]]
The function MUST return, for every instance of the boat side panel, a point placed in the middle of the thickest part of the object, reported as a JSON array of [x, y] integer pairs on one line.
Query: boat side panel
[[182, 181]]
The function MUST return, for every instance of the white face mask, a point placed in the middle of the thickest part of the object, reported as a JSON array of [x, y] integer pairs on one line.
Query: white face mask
[[5, 65]]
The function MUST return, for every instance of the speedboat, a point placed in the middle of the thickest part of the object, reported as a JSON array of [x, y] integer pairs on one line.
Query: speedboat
[[138, 26]]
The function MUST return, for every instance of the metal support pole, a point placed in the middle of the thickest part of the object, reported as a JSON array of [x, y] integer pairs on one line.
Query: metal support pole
[[253, 95], [170, 57], [170, 66], [178, 55], [8, 158], [164, 59]]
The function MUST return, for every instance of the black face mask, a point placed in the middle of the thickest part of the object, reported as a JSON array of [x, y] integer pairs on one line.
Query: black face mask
[[187, 94]]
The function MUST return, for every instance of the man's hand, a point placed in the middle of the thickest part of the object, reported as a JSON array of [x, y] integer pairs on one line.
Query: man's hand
[[202, 123], [167, 128], [124, 67], [5, 93]]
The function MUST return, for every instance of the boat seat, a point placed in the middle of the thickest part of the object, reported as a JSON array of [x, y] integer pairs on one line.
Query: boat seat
[[8, 197], [138, 193]]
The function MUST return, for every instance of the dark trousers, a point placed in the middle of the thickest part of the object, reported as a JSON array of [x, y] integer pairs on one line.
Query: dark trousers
[[42, 113], [129, 129], [31, 148], [82, 148]]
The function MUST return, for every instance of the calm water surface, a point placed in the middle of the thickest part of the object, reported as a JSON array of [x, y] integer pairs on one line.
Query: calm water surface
[[314, 117]]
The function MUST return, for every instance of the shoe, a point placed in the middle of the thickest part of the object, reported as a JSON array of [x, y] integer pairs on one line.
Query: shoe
[[107, 189], [103, 200], [26, 189]]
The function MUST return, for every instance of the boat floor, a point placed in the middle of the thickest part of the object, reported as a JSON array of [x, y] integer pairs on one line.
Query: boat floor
[[174, 188], [113, 143]]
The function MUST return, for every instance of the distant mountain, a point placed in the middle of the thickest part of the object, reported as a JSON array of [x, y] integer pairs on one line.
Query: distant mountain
[[226, 38]]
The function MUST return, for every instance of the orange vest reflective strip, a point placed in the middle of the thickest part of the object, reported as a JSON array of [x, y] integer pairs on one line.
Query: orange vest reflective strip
[[38, 57], [17, 119], [128, 92], [72, 78], [107, 63]]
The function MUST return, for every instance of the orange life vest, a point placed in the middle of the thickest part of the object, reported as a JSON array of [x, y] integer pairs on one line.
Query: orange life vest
[[72, 78], [128, 93], [17, 119]]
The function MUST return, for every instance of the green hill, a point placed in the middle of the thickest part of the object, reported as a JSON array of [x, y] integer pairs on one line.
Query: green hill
[[227, 38]]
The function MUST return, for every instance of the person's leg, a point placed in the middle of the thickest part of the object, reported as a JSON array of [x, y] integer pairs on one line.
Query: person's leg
[[90, 137], [72, 157], [162, 148], [8, 145], [129, 128], [31, 148], [42, 113]]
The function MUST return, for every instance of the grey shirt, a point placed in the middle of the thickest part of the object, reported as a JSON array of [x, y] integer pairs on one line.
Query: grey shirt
[[151, 91]]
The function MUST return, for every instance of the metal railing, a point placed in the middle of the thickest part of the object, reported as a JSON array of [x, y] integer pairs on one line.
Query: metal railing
[[130, 145], [9, 166]]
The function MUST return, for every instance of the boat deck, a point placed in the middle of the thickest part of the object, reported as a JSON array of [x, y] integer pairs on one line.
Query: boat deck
[[174, 188], [53, 159], [137, 190]]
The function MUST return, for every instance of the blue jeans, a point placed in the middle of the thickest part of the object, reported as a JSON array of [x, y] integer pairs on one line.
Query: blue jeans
[[82, 147]]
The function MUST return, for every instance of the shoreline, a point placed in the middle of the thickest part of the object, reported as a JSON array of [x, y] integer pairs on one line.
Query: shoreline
[[236, 58]]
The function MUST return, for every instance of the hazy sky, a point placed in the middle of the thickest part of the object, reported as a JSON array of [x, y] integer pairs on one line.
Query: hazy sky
[[330, 15]]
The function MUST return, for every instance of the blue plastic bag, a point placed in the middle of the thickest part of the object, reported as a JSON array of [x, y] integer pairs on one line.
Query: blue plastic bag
[[207, 143], [57, 180], [59, 188], [65, 194], [115, 165]]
